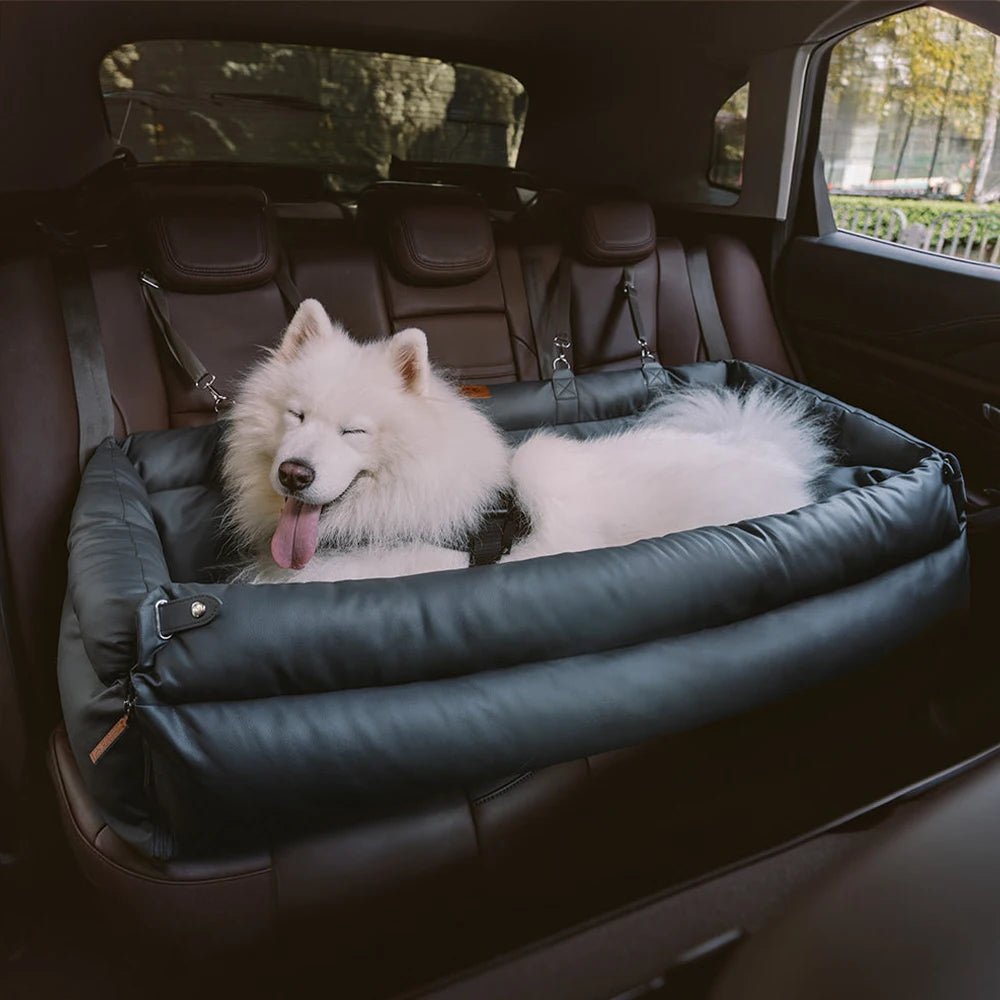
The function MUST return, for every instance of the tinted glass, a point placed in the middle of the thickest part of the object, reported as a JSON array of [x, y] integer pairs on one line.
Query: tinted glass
[[909, 133], [348, 113], [729, 141]]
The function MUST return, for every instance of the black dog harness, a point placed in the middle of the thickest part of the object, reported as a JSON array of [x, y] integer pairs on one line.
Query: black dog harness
[[501, 526]]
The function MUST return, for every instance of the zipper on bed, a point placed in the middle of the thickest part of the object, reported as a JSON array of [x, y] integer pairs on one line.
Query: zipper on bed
[[111, 737]]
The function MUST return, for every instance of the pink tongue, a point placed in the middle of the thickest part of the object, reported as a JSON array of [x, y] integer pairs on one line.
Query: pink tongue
[[294, 541]]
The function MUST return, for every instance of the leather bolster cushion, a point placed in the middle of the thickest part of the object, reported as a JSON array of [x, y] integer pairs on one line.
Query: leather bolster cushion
[[317, 700], [208, 239], [430, 236], [617, 232]]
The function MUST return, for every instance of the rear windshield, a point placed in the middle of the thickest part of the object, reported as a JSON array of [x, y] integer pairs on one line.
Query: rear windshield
[[344, 112]]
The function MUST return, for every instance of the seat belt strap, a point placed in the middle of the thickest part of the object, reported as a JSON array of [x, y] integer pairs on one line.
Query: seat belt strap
[[94, 406], [159, 309], [713, 332]]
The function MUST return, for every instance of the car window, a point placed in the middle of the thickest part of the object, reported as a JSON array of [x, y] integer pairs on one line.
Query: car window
[[909, 130], [347, 112], [729, 141]]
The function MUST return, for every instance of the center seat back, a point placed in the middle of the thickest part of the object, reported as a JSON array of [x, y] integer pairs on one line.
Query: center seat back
[[330, 263], [443, 271]]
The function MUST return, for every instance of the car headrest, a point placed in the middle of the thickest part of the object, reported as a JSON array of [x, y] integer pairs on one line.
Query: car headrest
[[431, 235], [619, 231], [208, 239]]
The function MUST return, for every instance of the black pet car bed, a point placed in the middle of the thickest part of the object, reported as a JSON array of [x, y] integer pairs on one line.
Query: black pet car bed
[[254, 708]]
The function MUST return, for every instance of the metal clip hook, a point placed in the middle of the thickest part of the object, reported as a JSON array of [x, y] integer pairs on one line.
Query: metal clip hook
[[561, 362], [207, 382]]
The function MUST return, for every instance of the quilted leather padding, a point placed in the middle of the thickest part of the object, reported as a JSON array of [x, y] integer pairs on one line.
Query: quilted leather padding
[[304, 702]]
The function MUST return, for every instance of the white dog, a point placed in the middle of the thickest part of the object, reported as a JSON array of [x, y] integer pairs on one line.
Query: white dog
[[348, 460]]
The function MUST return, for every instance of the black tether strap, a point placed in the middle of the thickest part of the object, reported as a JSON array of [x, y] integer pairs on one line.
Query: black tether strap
[[560, 319], [550, 313], [94, 407], [159, 309], [652, 372], [713, 332], [500, 528], [635, 314]]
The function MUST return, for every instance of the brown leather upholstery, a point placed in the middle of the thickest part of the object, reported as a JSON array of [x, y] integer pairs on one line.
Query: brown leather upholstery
[[38, 416], [439, 272], [601, 238], [431, 235], [744, 306], [215, 252], [617, 232], [208, 239], [228, 332], [199, 905], [329, 263]]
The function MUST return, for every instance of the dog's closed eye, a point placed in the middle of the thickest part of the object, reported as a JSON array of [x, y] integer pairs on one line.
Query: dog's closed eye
[[298, 414], [353, 430]]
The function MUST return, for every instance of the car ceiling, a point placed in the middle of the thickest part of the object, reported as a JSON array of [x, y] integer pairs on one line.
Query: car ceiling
[[644, 78]]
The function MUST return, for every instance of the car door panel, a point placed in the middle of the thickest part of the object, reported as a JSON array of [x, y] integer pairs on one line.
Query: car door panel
[[910, 335]]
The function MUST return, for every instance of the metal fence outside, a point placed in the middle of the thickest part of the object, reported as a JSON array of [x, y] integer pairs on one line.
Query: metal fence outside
[[955, 234]]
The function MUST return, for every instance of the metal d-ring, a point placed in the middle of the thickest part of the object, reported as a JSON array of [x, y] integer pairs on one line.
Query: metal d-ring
[[156, 615]]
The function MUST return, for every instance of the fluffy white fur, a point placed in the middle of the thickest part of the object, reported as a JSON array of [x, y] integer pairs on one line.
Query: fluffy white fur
[[404, 465]]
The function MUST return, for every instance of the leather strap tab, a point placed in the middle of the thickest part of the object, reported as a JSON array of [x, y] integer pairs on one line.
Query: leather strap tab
[[656, 379], [186, 613], [567, 398]]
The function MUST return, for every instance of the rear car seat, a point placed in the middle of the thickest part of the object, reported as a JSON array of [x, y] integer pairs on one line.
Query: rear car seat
[[597, 240], [215, 254], [443, 271]]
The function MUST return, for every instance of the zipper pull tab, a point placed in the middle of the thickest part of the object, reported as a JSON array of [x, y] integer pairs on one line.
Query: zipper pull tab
[[110, 738]]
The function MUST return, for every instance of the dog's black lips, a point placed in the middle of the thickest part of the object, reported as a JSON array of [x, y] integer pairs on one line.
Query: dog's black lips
[[347, 489]]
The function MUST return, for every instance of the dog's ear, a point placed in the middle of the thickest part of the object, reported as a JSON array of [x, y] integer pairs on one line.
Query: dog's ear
[[408, 349], [310, 322]]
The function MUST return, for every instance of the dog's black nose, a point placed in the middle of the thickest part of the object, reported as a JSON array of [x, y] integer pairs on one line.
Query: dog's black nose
[[295, 476]]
